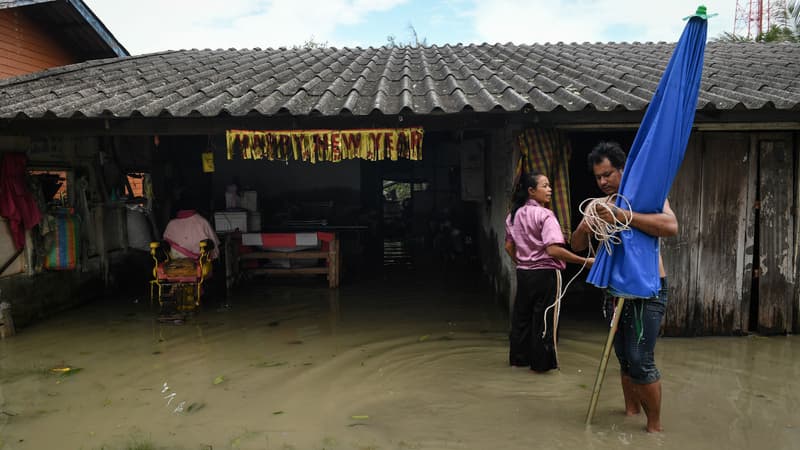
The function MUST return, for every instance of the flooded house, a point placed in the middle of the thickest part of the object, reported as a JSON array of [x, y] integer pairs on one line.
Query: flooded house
[[125, 137], [359, 198]]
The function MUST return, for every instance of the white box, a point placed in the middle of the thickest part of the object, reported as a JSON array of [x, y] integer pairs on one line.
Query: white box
[[249, 201], [231, 200], [230, 221]]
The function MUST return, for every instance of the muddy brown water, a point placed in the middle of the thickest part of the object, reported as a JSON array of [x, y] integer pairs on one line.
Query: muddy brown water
[[411, 365]]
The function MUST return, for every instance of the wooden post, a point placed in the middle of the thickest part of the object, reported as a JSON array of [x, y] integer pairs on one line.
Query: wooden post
[[333, 263], [601, 371]]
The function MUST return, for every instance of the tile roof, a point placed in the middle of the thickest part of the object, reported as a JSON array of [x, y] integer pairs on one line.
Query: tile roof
[[422, 80]]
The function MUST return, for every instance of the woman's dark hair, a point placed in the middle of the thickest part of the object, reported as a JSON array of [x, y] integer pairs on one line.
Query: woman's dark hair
[[526, 180], [607, 150]]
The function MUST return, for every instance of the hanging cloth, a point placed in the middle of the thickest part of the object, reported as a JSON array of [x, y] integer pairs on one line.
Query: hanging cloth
[[548, 151], [17, 204]]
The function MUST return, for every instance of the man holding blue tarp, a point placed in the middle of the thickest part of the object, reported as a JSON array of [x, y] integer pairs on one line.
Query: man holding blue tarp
[[628, 266], [640, 322]]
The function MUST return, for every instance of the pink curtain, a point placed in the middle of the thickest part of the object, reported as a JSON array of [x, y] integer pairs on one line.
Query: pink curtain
[[16, 201]]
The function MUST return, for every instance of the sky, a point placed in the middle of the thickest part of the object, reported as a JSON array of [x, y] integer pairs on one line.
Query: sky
[[146, 26]]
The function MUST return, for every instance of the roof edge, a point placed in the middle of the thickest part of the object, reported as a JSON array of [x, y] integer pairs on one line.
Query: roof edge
[[99, 27]]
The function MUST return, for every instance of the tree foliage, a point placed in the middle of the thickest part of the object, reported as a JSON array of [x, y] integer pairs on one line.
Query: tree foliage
[[311, 43], [414, 41], [786, 27]]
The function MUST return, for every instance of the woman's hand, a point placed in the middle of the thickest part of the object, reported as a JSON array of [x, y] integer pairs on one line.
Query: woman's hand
[[589, 262]]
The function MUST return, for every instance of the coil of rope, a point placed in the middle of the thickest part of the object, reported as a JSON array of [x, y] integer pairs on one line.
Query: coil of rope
[[606, 234]]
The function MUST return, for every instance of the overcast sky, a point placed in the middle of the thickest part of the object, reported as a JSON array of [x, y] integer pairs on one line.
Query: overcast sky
[[145, 26]]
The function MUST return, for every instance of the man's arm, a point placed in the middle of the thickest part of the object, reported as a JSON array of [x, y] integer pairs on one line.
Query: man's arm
[[663, 224]]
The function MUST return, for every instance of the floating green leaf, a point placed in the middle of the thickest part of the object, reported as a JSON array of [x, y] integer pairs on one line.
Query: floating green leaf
[[219, 380]]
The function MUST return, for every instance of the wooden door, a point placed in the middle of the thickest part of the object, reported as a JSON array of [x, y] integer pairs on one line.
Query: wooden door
[[725, 239], [776, 275]]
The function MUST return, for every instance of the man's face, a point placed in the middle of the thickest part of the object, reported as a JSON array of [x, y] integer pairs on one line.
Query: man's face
[[607, 176]]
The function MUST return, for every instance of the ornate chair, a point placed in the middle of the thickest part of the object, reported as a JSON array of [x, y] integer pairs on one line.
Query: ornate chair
[[178, 282]]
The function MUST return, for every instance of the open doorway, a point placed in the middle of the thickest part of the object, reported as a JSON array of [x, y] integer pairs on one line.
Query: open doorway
[[396, 223]]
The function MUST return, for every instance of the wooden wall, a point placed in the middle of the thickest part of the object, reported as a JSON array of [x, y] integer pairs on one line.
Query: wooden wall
[[776, 280], [27, 47], [735, 198]]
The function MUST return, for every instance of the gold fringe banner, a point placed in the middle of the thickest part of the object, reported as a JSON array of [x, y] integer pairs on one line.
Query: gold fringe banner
[[326, 145]]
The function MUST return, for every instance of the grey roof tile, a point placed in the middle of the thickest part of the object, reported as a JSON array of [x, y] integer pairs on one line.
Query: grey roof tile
[[422, 80]]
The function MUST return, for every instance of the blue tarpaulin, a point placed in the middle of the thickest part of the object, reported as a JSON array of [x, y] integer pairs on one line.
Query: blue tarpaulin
[[631, 269]]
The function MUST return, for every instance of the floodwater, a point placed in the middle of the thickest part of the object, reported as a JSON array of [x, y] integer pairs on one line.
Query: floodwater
[[397, 364]]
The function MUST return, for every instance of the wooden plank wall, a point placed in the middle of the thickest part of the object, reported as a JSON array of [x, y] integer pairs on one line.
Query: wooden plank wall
[[27, 47], [724, 179], [708, 261], [776, 227], [684, 312], [796, 303]]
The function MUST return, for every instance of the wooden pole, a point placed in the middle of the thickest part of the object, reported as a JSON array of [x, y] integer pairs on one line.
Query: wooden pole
[[601, 371]]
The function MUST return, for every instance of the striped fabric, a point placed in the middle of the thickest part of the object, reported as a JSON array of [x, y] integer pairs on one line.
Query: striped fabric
[[65, 251], [548, 151]]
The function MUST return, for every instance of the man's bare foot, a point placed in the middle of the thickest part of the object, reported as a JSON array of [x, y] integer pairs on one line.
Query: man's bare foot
[[650, 397], [654, 428]]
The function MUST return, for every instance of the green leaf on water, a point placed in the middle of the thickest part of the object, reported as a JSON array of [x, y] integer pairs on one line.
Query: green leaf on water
[[359, 417], [424, 338], [72, 371], [277, 412], [219, 380]]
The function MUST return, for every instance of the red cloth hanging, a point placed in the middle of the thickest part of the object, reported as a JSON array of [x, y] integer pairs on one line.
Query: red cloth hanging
[[16, 201]]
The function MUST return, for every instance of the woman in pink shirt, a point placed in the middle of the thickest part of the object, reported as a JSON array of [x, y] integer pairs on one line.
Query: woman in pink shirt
[[535, 243]]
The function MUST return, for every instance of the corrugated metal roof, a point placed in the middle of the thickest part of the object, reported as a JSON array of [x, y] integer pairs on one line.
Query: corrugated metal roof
[[422, 80]]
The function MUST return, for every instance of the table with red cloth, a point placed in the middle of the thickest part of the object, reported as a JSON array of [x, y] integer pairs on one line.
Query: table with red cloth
[[319, 251]]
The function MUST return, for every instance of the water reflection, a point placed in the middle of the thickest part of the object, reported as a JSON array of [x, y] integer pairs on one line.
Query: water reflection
[[411, 365]]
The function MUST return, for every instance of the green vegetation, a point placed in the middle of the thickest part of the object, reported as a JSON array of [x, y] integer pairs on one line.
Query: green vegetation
[[785, 28]]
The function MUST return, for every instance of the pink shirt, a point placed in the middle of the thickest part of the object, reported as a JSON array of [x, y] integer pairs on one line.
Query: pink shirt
[[534, 229], [185, 232]]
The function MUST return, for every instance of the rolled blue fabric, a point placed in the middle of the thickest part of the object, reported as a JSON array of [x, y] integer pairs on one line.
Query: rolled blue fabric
[[631, 270]]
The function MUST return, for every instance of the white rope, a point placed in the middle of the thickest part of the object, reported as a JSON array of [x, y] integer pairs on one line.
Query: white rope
[[604, 232], [557, 303], [556, 315]]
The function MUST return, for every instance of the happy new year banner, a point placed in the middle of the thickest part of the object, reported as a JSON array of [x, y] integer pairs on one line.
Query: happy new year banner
[[314, 146]]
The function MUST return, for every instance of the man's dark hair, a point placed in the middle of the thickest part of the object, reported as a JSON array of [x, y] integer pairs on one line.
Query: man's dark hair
[[607, 149]]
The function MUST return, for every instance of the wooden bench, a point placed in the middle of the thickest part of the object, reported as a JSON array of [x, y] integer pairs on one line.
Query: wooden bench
[[332, 258]]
